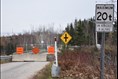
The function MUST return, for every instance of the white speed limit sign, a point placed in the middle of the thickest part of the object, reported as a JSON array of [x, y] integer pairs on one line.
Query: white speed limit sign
[[104, 13]]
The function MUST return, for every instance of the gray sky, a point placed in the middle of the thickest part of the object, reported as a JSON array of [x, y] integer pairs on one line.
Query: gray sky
[[23, 15]]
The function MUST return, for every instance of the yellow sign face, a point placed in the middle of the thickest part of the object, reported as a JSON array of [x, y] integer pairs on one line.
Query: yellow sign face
[[66, 38]]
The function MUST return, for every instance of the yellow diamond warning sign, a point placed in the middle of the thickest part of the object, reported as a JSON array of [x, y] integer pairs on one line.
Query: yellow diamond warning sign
[[66, 37]]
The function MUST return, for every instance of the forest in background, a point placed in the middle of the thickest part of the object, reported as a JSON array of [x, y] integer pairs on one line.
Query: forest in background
[[82, 32]]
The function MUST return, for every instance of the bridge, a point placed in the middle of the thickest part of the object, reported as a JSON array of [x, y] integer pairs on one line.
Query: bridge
[[30, 57]]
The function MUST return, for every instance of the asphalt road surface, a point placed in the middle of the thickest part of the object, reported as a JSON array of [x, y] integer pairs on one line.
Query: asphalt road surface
[[21, 70]]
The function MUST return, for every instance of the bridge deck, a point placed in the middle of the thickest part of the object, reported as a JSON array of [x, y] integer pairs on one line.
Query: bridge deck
[[30, 57]]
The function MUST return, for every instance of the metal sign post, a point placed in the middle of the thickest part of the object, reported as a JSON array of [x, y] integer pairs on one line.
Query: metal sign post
[[104, 17], [102, 54]]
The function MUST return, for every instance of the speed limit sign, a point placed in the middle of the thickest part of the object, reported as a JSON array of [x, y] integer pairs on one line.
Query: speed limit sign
[[104, 17]]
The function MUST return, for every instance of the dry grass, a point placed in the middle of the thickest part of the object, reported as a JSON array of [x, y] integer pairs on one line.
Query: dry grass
[[4, 61], [83, 65], [79, 64]]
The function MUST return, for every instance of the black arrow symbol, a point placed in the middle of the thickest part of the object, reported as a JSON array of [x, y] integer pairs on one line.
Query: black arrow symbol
[[110, 17]]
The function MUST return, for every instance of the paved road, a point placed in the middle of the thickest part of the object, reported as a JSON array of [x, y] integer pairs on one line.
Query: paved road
[[20, 70]]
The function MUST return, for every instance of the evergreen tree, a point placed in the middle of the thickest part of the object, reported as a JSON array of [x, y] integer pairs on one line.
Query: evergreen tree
[[72, 33], [79, 34]]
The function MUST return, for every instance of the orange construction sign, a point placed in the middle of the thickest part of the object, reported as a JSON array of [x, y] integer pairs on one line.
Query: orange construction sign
[[35, 50], [51, 50], [19, 50]]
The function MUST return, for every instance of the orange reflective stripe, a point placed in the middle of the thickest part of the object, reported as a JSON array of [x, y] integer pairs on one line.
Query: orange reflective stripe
[[51, 50], [19, 50], [35, 50]]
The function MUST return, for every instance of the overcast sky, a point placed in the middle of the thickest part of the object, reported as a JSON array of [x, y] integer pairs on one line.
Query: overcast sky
[[23, 15]]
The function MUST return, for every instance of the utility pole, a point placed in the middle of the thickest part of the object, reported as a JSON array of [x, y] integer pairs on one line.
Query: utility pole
[[26, 46]]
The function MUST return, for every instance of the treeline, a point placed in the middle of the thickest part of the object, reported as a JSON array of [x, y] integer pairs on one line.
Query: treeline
[[40, 38], [83, 33], [9, 43]]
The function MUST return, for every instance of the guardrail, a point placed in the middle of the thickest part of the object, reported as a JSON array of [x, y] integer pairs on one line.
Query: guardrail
[[4, 59]]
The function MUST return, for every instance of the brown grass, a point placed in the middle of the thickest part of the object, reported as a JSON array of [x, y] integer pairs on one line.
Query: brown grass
[[83, 65], [79, 64]]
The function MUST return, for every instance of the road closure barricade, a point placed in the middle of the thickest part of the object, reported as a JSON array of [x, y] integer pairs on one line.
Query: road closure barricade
[[50, 55]]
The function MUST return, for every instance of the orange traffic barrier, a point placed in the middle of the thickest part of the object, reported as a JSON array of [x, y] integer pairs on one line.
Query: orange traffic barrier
[[19, 50], [51, 50], [35, 50]]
